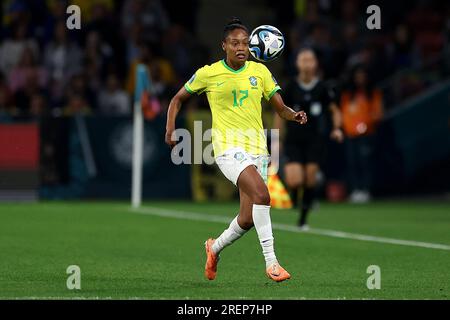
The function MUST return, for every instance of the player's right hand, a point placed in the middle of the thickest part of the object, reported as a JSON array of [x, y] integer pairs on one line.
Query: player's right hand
[[171, 143]]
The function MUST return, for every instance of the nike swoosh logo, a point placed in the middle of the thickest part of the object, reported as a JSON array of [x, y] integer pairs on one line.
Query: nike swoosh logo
[[220, 83]]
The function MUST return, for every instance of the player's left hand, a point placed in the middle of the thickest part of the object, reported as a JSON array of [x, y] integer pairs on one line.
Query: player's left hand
[[168, 139], [337, 135], [300, 117]]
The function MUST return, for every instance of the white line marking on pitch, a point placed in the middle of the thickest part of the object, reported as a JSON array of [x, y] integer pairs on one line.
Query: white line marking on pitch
[[285, 227], [165, 298]]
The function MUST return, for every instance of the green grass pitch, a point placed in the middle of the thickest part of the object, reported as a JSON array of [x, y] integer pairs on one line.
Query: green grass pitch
[[124, 254]]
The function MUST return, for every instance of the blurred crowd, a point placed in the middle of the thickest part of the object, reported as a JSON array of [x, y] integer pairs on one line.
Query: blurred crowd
[[407, 53], [47, 69], [370, 70]]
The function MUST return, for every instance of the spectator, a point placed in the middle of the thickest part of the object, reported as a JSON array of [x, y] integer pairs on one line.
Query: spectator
[[78, 86], [403, 52], [26, 65], [134, 39], [24, 96], [101, 21], [179, 48], [150, 14], [351, 40], [160, 87], [361, 106], [113, 100], [62, 59], [12, 49], [89, 7], [147, 57], [191, 45], [319, 40], [38, 105], [56, 13], [307, 16], [97, 54], [6, 107], [350, 13]]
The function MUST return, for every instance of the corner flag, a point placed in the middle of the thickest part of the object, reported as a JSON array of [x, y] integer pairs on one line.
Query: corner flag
[[143, 84]]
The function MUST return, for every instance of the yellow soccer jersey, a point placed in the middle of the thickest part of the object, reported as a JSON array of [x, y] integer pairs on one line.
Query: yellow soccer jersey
[[234, 97]]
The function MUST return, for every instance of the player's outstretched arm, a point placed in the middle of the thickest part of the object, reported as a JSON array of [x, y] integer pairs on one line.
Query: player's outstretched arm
[[174, 106], [285, 112]]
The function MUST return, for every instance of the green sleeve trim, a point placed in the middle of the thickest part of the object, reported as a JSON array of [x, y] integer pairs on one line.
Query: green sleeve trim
[[186, 86], [277, 88]]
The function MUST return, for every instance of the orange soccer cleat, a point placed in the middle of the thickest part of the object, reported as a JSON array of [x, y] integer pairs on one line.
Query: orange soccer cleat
[[277, 273], [211, 260]]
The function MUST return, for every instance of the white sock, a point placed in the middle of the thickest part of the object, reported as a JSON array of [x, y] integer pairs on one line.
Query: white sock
[[227, 237], [263, 226]]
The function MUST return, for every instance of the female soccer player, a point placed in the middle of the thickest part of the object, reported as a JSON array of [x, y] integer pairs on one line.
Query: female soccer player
[[234, 88]]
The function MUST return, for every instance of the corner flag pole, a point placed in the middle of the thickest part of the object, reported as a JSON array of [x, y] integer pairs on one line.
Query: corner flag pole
[[142, 84]]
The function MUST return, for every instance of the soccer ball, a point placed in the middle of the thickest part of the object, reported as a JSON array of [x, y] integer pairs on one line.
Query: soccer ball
[[266, 43]]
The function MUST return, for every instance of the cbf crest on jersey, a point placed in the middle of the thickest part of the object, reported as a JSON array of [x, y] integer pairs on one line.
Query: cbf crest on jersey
[[253, 81]]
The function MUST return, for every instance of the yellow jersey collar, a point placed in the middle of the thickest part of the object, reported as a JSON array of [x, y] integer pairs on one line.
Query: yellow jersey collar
[[231, 69]]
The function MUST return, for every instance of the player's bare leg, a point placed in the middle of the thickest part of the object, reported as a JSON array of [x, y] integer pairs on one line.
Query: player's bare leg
[[251, 183], [245, 218]]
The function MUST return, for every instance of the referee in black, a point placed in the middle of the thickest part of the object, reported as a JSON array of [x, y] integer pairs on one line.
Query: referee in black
[[304, 146]]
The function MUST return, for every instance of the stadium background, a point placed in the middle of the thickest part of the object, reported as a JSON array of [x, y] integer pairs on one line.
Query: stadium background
[[76, 87], [66, 99]]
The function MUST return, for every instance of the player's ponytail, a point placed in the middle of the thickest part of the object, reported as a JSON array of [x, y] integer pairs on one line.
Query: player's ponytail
[[234, 23]]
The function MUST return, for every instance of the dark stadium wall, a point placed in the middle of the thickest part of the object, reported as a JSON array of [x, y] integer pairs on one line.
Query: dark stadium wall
[[111, 143], [413, 145]]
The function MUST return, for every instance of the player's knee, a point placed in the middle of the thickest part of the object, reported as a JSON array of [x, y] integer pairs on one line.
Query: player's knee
[[261, 196], [246, 223]]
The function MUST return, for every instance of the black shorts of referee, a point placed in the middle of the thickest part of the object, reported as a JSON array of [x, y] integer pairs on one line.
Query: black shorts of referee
[[308, 150]]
